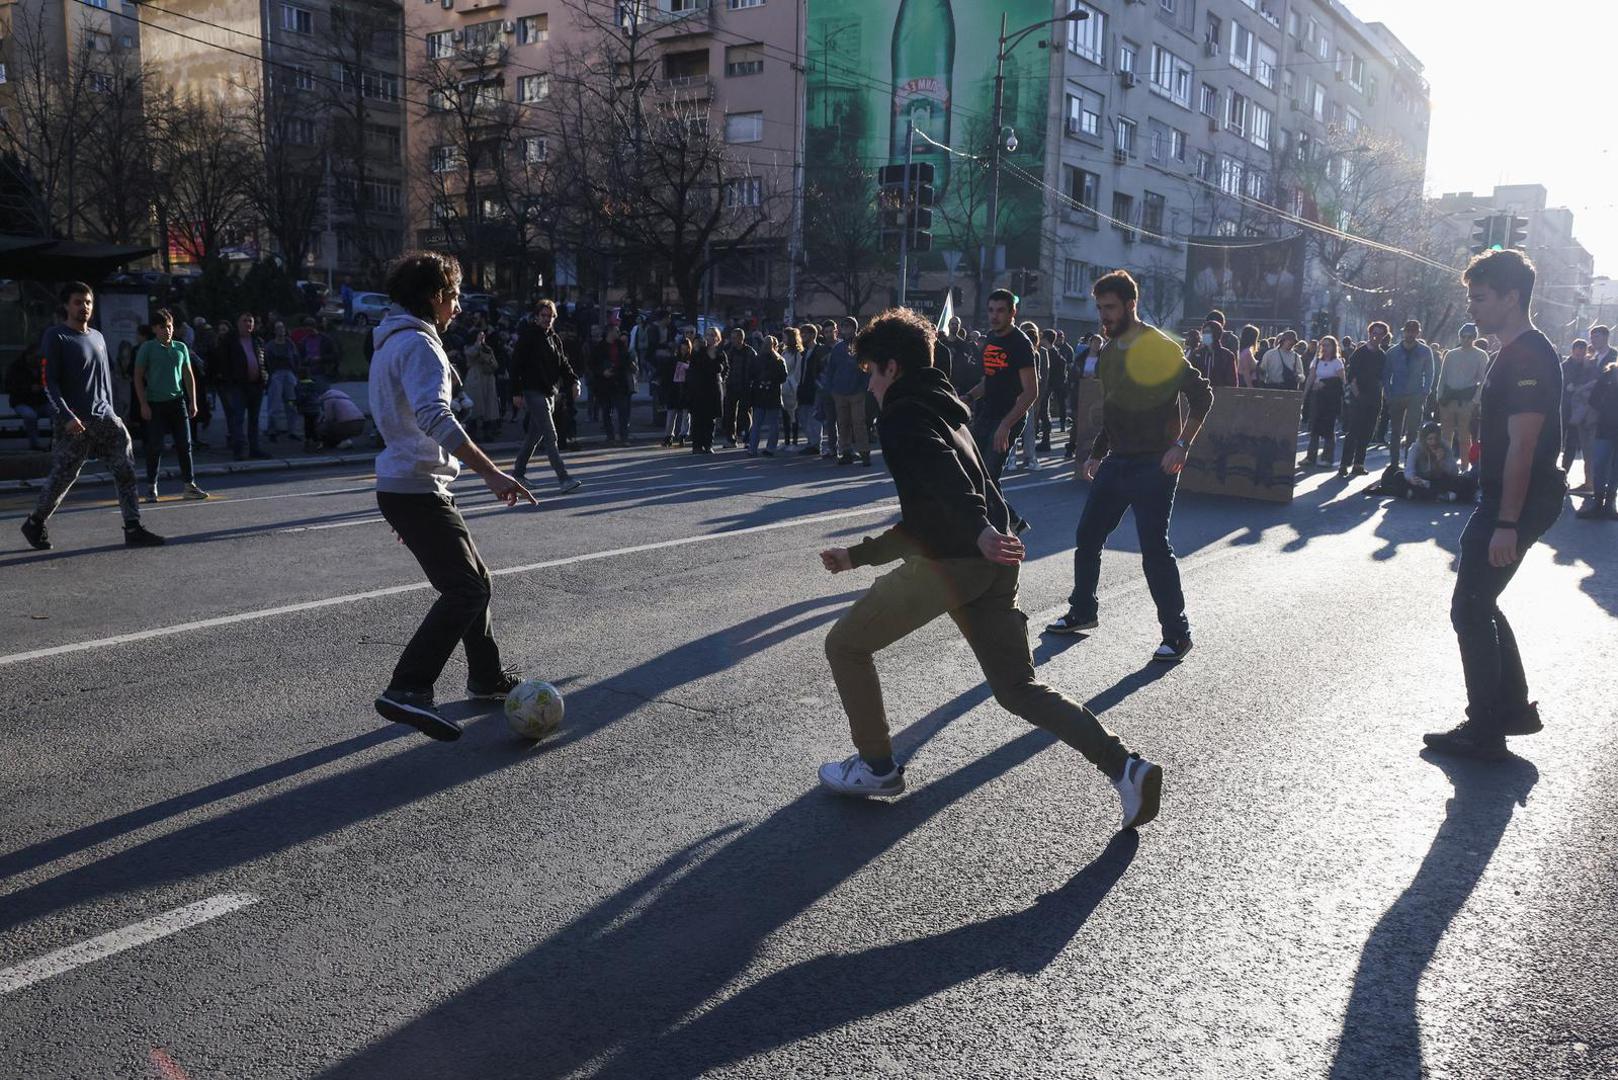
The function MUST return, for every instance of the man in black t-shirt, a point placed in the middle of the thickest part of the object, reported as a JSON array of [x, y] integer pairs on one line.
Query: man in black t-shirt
[[1362, 403], [1010, 384], [1522, 490]]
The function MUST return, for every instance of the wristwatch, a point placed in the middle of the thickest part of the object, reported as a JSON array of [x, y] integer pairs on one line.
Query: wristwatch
[[1181, 443]]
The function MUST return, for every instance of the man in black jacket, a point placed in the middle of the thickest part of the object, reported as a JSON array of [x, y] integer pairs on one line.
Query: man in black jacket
[[960, 559], [539, 368]]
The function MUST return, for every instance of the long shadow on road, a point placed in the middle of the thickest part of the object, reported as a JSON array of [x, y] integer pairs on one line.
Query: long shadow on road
[[1381, 1029], [619, 980]]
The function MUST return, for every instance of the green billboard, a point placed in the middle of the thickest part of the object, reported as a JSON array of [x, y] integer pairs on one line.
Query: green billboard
[[875, 65]]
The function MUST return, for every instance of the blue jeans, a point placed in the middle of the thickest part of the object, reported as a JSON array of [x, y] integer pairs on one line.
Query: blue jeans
[[30, 423], [1137, 483], [1599, 461], [1489, 657], [764, 417], [241, 411]]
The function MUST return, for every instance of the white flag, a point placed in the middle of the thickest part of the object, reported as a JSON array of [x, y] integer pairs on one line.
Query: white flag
[[947, 312]]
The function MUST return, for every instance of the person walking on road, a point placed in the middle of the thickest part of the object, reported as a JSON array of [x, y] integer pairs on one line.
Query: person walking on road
[[1009, 387], [410, 390], [539, 369], [166, 388], [1362, 403], [1136, 461], [959, 558], [1522, 491], [78, 388]]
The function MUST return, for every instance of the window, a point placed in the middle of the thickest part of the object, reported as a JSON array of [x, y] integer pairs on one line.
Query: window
[[1076, 278], [1230, 176], [98, 42], [1356, 72], [533, 29], [1126, 136], [1084, 115], [1123, 210], [1083, 188], [300, 131], [126, 41], [1241, 48], [483, 35], [440, 212], [1317, 103], [1257, 185], [1171, 76], [1158, 140], [303, 78], [1351, 122], [488, 94], [1208, 101], [1088, 37], [383, 195], [100, 83], [532, 88], [1322, 45], [1151, 211], [1177, 144], [437, 101], [1204, 165], [371, 84], [382, 142], [744, 127], [535, 149], [1215, 27], [1304, 148], [1258, 125], [445, 159], [744, 60], [102, 4], [1128, 55], [1267, 61], [296, 19], [747, 191], [737, 5], [440, 45], [1236, 114]]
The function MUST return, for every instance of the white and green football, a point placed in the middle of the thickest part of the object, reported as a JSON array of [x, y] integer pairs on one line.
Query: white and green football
[[534, 709]]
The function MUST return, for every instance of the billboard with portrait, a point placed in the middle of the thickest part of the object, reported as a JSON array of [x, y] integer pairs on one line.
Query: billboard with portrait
[[1250, 279]]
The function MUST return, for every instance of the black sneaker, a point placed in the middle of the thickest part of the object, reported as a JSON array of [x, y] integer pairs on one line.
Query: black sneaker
[[1072, 623], [505, 683], [1521, 719], [865, 459], [34, 531], [138, 535], [1172, 652], [1466, 740], [415, 707], [1359, 470], [846, 459]]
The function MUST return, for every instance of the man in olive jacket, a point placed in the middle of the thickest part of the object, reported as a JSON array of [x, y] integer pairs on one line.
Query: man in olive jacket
[[960, 559]]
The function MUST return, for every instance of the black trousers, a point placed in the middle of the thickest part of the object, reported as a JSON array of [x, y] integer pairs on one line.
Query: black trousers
[[168, 418], [1360, 418], [738, 416], [704, 412], [436, 534]]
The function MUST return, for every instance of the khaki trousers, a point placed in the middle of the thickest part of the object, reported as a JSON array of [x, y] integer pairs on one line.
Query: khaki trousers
[[982, 599], [851, 429]]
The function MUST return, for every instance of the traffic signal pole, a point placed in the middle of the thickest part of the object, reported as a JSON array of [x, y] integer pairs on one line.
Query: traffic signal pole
[[905, 213]]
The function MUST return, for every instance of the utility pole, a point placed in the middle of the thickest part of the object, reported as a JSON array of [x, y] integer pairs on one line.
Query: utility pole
[[906, 212], [795, 237]]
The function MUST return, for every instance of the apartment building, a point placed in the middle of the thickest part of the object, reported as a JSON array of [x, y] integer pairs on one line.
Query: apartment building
[[1178, 119], [329, 76], [1565, 300], [728, 65]]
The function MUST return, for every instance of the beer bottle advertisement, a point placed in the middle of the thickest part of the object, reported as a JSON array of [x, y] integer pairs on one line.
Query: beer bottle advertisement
[[876, 65]]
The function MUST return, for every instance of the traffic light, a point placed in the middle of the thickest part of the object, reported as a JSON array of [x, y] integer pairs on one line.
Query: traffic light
[[899, 209], [1484, 233], [1516, 231]]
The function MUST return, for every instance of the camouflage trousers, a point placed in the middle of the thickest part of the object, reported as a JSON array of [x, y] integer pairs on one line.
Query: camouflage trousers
[[104, 437]]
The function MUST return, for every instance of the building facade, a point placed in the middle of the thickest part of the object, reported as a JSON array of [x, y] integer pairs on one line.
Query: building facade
[[1184, 119]]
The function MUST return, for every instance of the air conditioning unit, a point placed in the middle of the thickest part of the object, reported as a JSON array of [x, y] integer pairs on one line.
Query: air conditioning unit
[[1210, 48], [1127, 79], [1120, 156], [509, 26], [1129, 236], [457, 36]]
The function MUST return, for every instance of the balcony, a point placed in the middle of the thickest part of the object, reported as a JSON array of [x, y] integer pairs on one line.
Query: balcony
[[479, 5]]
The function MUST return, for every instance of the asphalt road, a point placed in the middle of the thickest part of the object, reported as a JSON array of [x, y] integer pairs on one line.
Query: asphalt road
[[217, 862]]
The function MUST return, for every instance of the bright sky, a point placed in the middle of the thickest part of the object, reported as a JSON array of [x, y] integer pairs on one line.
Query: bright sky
[[1552, 99]]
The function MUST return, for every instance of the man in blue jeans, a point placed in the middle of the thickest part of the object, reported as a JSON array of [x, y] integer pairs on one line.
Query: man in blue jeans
[[1522, 491], [1136, 460]]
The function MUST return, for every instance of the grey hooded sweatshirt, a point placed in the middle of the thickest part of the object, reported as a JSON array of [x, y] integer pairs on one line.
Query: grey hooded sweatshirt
[[410, 395]]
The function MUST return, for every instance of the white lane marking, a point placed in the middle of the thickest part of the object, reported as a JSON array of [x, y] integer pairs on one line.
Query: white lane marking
[[99, 948], [886, 507]]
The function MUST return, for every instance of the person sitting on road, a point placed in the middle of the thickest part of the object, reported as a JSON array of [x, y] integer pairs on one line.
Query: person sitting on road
[[1429, 472]]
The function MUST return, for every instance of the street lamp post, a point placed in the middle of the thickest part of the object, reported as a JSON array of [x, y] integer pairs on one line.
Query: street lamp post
[[1000, 135]]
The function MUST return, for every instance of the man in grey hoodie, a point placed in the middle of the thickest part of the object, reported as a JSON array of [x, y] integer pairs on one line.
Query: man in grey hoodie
[[410, 391]]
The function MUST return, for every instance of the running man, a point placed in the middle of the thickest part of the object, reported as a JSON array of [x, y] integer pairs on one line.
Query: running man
[[1136, 460], [960, 559], [1523, 489], [410, 401], [78, 387]]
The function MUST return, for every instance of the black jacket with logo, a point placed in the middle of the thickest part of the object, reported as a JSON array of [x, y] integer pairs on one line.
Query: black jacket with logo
[[946, 497]]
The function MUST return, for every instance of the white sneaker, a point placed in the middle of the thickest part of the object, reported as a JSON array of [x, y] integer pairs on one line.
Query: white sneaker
[[193, 492], [1033, 465], [854, 777], [1140, 789]]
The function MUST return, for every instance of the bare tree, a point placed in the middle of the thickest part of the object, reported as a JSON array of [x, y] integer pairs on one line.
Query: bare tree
[[120, 175], [842, 254], [207, 164], [283, 156]]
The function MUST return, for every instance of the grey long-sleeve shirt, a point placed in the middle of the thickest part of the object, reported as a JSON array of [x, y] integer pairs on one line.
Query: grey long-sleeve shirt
[[78, 378]]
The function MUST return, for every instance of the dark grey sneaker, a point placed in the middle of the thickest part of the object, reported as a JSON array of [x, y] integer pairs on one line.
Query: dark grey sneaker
[[1468, 740], [35, 532], [415, 707], [1172, 652], [138, 535], [1521, 719], [495, 690], [1071, 623]]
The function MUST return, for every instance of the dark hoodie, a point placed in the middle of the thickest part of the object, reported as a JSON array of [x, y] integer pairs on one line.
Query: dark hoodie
[[946, 498]]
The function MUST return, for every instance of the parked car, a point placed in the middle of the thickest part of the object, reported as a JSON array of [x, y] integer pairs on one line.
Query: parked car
[[369, 307]]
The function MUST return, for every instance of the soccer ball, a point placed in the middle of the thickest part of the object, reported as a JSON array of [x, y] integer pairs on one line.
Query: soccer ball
[[534, 709]]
